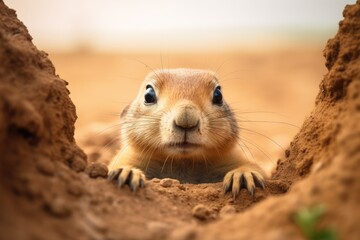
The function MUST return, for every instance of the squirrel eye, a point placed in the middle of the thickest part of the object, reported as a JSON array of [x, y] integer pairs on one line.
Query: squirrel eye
[[217, 96], [150, 96]]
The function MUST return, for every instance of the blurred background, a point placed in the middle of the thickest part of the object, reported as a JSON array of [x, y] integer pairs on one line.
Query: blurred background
[[268, 55]]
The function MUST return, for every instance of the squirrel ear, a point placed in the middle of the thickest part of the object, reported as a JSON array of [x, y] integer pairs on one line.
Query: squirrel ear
[[124, 111]]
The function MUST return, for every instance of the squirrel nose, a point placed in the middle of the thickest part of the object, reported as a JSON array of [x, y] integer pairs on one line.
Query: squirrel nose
[[187, 119]]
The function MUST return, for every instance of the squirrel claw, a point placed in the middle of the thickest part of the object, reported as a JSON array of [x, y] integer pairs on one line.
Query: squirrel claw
[[132, 177], [240, 178]]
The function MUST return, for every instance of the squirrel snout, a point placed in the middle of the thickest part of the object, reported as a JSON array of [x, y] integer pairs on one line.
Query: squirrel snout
[[187, 118]]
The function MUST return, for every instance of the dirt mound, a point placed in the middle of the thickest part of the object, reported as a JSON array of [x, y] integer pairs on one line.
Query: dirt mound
[[325, 154], [36, 134], [49, 190]]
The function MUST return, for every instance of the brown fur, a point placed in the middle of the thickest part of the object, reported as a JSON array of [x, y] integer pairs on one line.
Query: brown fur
[[150, 134]]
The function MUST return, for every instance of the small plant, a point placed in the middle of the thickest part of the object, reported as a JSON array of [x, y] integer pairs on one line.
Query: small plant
[[307, 219]]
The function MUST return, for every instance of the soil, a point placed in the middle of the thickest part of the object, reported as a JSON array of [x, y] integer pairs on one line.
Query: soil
[[50, 190]]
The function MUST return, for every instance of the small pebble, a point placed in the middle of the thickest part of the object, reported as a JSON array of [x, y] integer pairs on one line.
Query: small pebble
[[168, 182], [155, 180], [201, 212], [97, 170], [227, 210], [182, 187]]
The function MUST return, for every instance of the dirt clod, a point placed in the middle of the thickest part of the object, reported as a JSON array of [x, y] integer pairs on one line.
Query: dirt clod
[[227, 210], [201, 212], [97, 170], [168, 182]]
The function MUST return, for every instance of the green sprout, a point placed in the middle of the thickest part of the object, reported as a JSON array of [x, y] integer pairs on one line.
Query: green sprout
[[307, 219]]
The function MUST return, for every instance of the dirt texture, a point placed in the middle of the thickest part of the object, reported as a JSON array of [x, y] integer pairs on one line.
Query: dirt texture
[[50, 191], [323, 161]]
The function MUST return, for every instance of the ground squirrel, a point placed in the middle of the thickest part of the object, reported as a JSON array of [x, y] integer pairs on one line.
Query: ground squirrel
[[179, 126]]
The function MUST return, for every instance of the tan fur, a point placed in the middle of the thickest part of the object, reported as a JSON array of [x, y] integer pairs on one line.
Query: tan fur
[[150, 133]]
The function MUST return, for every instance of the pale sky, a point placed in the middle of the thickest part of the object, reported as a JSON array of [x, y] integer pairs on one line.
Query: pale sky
[[168, 24]]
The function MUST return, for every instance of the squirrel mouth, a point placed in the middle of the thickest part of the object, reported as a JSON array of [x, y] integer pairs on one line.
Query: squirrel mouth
[[184, 145]]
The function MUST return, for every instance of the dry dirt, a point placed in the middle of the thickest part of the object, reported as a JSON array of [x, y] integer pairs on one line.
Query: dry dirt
[[50, 191]]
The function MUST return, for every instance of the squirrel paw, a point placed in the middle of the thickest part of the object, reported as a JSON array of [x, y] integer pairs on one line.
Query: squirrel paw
[[240, 178], [126, 175]]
